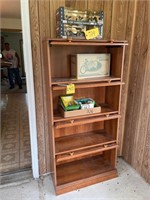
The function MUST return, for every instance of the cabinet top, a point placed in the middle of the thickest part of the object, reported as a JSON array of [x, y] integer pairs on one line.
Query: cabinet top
[[71, 41]]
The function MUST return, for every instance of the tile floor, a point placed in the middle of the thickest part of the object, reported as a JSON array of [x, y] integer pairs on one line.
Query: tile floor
[[15, 140], [128, 186]]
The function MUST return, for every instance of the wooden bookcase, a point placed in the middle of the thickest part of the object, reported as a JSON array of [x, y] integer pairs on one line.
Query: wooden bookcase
[[83, 148]]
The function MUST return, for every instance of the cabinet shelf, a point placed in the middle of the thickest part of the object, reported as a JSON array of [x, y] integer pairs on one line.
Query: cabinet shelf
[[77, 142], [77, 122], [106, 111], [109, 79], [91, 85], [82, 169], [74, 42], [83, 149]]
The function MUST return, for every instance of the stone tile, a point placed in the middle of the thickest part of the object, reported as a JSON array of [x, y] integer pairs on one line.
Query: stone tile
[[10, 136], [25, 164], [25, 155], [9, 168], [9, 158], [9, 147], [15, 136], [25, 144]]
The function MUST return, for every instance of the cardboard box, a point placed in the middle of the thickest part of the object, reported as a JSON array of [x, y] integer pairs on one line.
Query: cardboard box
[[75, 113], [90, 65]]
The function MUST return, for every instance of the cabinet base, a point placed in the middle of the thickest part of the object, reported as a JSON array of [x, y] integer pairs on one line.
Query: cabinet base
[[86, 182]]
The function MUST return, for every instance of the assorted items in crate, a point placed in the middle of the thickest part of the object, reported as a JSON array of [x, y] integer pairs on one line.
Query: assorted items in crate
[[75, 107], [74, 23], [90, 65]]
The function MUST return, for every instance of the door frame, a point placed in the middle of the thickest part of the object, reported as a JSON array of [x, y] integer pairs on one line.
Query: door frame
[[27, 52]]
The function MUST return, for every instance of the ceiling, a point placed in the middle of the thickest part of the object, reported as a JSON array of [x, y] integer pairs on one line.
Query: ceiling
[[10, 9]]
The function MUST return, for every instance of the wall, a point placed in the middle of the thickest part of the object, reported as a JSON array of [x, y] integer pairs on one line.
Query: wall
[[136, 148], [121, 21], [7, 23]]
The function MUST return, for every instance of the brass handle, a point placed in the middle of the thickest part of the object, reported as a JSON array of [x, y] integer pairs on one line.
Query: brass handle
[[71, 153]]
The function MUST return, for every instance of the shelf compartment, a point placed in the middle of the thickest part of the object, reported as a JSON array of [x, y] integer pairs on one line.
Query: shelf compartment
[[105, 96], [62, 67], [84, 153], [106, 110], [81, 121], [90, 85], [76, 142], [85, 168]]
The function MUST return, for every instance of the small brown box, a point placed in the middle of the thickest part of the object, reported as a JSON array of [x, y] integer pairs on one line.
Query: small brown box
[[75, 113]]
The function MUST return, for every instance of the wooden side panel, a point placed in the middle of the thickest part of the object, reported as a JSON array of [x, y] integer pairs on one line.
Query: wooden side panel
[[139, 114], [44, 31], [36, 55], [133, 105], [118, 31], [145, 170], [146, 154], [136, 148], [142, 138], [49, 122], [127, 65]]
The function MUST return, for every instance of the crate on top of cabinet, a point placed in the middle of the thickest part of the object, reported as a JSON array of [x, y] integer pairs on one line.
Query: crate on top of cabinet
[[90, 65], [74, 23]]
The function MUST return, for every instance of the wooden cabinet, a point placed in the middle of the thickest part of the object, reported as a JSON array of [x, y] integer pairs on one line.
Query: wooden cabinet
[[83, 148]]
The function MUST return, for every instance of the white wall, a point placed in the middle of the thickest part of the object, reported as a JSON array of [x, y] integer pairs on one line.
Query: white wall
[[7, 23]]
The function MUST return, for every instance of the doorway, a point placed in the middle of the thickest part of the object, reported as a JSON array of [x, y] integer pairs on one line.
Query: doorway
[[15, 134], [25, 21]]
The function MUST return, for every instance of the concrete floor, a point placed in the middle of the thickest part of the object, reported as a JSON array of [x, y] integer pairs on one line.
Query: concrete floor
[[128, 186]]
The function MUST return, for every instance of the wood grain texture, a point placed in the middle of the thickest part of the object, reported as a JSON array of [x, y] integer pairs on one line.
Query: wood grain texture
[[122, 20], [145, 170], [54, 5], [36, 55], [135, 88], [142, 142], [136, 139], [139, 111], [107, 7], [44, 31], [119, 19], [127, 65], [76, 4], [95, 5]]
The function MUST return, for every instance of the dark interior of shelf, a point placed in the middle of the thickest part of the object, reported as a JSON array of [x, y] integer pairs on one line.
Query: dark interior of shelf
[[82, 141], [82, 169]]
